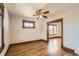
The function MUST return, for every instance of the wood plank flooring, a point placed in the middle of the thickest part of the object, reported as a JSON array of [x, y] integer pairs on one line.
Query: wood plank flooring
[[38, 48]]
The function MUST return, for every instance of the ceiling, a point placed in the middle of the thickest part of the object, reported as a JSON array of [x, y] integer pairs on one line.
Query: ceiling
[[28, 9]]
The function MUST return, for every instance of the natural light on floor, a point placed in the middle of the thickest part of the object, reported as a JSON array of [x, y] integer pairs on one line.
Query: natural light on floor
[[54, 46]]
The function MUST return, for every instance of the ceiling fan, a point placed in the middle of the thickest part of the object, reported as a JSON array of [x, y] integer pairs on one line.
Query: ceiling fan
[[40, 14]]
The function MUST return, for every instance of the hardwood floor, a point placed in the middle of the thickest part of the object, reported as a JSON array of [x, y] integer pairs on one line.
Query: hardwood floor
[[38, 48]]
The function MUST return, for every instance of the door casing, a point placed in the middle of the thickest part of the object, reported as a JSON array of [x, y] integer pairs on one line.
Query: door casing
[[56, 21]]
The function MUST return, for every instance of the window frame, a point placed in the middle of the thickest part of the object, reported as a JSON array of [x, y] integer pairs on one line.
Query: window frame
[[27, 21]]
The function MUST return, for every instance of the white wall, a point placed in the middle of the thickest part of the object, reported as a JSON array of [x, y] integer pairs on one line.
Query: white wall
[[71, 28], [19, 34], [6, 32]]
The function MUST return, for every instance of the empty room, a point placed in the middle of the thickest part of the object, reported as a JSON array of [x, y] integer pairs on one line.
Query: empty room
[[39, 29]]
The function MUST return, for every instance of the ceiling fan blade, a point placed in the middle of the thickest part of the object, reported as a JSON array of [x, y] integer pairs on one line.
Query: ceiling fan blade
[[35, 15], [45, 12], [39, 10], [44, 16]]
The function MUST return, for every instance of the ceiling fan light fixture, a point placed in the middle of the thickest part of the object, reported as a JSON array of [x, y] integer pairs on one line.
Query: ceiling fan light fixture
[[41, 14]]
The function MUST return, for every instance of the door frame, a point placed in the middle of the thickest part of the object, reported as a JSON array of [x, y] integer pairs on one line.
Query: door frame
[[56, 21]]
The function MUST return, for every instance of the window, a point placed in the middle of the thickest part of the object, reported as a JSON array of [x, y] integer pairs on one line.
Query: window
[[1, 27], [53, 29], [28, 24]]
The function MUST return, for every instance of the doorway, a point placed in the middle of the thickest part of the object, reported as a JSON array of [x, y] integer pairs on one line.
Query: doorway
[[55, 31]]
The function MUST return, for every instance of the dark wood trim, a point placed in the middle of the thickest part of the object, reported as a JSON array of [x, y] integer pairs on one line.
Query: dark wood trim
[[62, 32], [69, 50], [55, 37], [44, 40], [47, 32], [56, 21], [76, 54], [28, 42], [33, 22]]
